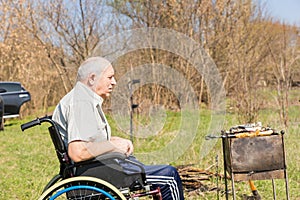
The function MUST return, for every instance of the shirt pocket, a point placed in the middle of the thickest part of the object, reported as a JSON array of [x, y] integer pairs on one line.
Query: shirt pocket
[[102, 132]]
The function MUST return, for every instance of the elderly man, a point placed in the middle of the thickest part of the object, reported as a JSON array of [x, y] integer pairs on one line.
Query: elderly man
[[86, 132]]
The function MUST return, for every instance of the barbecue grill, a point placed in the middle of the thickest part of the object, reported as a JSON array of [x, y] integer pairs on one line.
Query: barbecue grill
[[252, 152]]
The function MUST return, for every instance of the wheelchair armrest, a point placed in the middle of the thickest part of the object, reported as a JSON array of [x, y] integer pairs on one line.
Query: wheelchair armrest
[[143, 173], [110, 155], [101, 158]]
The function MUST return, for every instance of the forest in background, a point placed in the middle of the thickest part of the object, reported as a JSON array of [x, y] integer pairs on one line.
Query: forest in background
[[43, 43]]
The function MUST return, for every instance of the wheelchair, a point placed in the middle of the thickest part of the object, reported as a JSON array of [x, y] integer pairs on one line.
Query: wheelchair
[[74, 180]]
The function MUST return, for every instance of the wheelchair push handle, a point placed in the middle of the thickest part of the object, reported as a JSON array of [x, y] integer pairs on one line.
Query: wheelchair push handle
[[35, 122]]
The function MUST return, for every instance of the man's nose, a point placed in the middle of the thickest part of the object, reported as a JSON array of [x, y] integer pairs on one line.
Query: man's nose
[[113, 81]]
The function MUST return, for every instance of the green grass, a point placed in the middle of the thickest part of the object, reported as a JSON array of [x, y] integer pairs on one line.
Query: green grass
[[28, 160]]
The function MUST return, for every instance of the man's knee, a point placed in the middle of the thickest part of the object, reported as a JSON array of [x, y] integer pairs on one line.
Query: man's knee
[[172, 171]]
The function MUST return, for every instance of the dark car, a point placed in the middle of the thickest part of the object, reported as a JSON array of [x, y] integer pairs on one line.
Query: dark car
[[12, 96]]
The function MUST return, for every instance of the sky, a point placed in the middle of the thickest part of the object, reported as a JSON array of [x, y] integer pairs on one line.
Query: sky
[[287, 11]]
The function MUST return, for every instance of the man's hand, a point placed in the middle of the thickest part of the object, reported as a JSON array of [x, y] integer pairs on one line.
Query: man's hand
[[124, 145]]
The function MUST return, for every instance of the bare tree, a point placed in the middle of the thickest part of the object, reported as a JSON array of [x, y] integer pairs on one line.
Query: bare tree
[[69, 31], [284, 59]]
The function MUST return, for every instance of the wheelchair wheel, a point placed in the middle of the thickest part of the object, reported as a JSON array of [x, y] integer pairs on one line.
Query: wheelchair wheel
[[82, 188]]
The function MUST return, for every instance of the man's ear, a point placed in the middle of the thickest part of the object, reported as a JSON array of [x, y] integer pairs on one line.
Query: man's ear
[[92, 78]]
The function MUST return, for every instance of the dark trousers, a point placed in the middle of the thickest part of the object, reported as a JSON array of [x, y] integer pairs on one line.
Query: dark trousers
[[164, 176]]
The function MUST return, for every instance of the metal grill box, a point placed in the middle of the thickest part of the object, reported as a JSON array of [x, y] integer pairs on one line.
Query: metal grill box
[[255, 158]]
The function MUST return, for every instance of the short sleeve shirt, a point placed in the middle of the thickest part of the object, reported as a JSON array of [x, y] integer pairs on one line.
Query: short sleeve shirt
[[80, 117]]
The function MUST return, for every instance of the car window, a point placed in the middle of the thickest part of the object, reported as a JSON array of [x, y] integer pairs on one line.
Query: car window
[[11, 87]]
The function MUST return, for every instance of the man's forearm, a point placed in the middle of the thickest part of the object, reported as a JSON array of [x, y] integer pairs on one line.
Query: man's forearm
[[98, 148], [81, 150]]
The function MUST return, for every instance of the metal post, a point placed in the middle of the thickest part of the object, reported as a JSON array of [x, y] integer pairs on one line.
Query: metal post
[[131, 114], [285, 168], [225, 166], [274, 189], [232, 186], [217, 175], [132, 105]]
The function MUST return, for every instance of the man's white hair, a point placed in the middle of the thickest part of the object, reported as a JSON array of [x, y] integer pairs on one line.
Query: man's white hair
[[92, 65]]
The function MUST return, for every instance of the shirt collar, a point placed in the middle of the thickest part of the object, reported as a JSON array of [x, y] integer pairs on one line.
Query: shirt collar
[[87, 93]]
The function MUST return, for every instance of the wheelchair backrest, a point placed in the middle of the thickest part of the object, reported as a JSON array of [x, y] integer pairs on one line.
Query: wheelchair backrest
[[66, 166]]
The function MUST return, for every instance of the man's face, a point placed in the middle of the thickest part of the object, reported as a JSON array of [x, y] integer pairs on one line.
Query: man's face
[[105, 83]]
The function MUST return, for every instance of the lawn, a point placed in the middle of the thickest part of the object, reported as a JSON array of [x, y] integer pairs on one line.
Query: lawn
[[28, 160]]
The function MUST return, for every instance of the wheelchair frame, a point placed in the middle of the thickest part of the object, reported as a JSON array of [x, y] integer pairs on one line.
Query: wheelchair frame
[[65, 182]]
